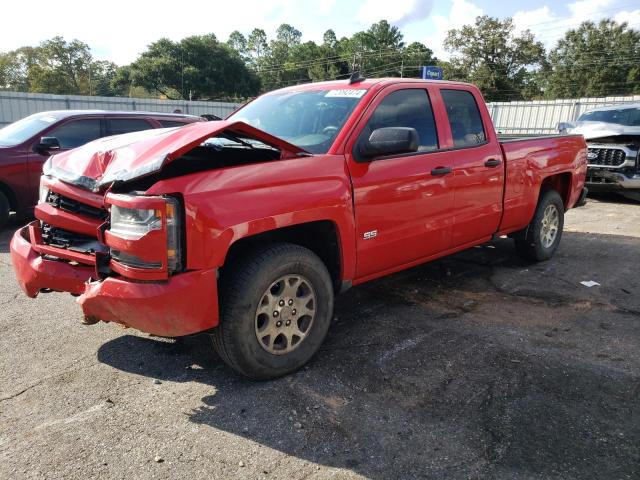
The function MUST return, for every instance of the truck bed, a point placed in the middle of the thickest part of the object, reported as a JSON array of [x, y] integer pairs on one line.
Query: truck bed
[[528, 161]]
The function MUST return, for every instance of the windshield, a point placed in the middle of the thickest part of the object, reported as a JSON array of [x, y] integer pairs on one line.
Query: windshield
[[629, 117], [20, 131], [309, 119]]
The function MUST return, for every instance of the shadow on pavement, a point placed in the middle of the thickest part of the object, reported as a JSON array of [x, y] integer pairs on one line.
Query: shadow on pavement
[[474, 366], [7, 232]]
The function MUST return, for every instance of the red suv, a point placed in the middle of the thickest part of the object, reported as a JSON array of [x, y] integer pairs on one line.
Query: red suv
[[27, 143]]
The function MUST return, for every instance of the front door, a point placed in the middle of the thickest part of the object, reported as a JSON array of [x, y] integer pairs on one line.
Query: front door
[[403, 203]]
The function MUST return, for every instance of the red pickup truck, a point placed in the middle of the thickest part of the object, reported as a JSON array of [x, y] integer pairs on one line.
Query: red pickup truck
[[246, 228]]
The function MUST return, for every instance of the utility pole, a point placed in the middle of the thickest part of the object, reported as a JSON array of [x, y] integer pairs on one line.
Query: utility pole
[[402, 68], [182, 62]]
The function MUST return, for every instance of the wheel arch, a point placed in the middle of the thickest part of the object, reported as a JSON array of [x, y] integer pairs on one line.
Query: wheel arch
[[561, 183], [321, 237]]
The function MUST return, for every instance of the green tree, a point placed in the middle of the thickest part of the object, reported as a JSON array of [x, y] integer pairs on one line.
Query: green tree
[[257, 47], [238, 42], [490, 55], [595, 60], [56, 66], [197, 67]]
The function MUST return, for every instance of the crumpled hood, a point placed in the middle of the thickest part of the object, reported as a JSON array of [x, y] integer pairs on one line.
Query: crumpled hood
[[134, 155], [600, 129]]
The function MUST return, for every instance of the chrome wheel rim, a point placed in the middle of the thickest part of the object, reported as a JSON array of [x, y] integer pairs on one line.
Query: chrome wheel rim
[[285, 314], [550, 225]]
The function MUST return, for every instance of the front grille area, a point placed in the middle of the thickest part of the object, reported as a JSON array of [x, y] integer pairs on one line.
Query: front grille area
[[606, 157], [58, 237], [73, 206]]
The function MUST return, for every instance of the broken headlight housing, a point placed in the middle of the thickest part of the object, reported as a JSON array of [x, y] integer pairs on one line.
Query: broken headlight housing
[[145, 233], [134, 223]]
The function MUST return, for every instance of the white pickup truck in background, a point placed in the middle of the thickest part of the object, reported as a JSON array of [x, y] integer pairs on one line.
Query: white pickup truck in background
[[613, 137]]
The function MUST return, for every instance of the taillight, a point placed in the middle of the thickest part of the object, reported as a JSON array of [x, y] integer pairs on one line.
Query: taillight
[[145, 236]]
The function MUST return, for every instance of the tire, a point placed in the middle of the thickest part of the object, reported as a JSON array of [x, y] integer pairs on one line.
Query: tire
[[256, 287], [537, 242], [5, 209]]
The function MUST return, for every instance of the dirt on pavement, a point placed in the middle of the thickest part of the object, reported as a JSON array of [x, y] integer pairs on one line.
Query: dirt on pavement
[[475, 366]]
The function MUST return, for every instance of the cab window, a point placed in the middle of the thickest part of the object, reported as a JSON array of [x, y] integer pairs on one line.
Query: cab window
[[406, 108], [464, 118]]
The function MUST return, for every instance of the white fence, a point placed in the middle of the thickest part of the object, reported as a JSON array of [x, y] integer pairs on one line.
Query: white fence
[[510, 118], [15, 105], [542, 116]]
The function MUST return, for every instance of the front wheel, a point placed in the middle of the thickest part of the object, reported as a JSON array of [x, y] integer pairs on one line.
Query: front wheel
[[276, 307], [539, 241]]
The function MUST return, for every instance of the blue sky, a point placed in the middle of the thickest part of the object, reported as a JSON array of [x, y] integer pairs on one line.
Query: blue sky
[[122, 28]]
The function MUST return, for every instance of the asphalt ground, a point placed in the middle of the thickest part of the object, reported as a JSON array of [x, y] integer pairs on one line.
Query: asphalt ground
[[475, 366]]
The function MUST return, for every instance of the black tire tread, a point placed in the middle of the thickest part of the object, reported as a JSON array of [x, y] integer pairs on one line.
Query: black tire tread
[[231, 291], [526, 240]]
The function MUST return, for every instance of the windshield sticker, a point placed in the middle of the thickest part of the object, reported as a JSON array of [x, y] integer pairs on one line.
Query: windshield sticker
[[346, 93]]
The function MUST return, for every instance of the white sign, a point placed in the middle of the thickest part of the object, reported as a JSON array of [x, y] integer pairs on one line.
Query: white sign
[[346, 93]]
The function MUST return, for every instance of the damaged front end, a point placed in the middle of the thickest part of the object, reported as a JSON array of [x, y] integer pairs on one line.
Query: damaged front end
[[100, 237]]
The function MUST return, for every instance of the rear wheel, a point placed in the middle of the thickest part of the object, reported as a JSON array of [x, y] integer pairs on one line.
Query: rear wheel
[[5, 210], [276, 307], [539, 241]]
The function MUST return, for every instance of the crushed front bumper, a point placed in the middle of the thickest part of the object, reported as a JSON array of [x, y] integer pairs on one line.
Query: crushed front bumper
[[185, 304], [35, 272]]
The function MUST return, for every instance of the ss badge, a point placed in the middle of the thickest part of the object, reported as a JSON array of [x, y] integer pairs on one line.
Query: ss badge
[[371, 234]]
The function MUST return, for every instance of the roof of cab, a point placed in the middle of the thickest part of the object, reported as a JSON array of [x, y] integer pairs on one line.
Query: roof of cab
[[363, 84]]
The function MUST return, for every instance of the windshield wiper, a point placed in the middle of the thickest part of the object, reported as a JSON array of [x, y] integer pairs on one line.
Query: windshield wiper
[[233, 138]]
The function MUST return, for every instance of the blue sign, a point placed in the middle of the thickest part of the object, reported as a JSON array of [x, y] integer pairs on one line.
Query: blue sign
[[432, 73]]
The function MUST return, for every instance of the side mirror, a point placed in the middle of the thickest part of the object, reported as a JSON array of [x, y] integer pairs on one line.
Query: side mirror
[[389, 141], [48, 144]]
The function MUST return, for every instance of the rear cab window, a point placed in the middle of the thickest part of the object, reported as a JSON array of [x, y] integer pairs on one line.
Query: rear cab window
[[465, 121], [406, 108]]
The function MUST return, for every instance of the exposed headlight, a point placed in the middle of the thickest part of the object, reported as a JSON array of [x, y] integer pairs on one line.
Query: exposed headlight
[[134, 223], [44, 191]]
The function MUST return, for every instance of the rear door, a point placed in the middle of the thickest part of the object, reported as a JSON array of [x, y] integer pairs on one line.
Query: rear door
[[403, 203], [477, 165]]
